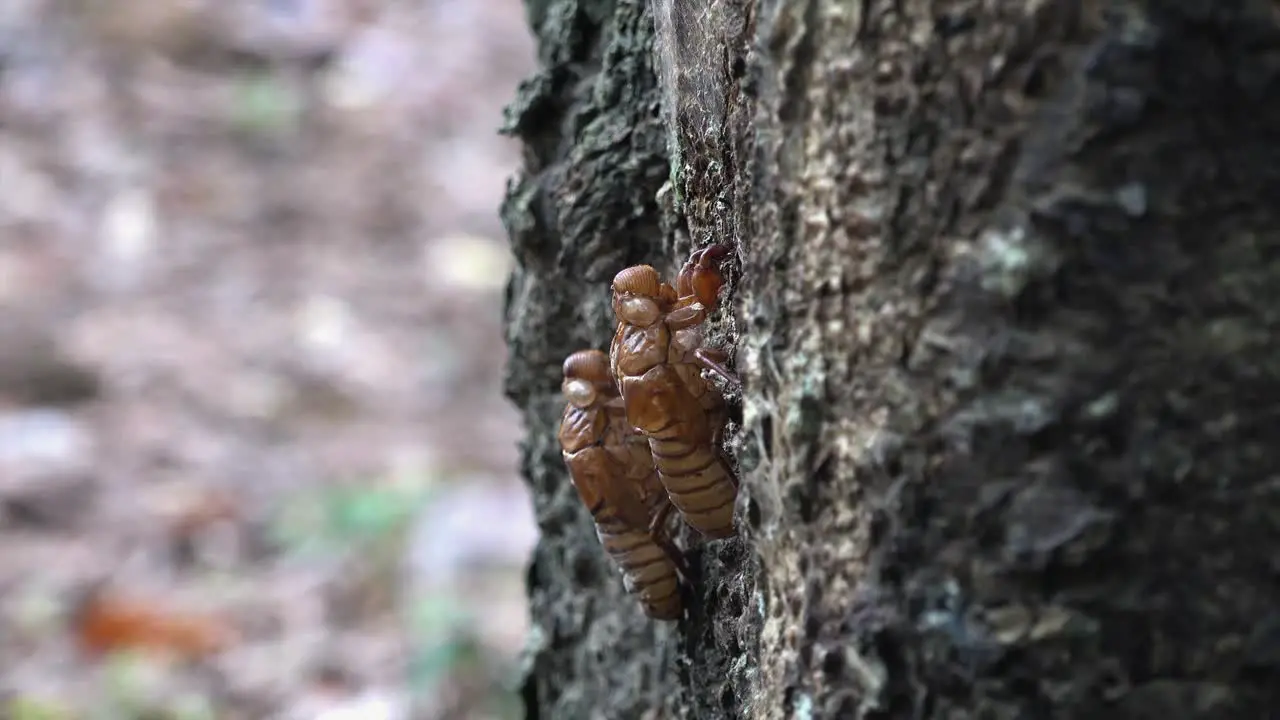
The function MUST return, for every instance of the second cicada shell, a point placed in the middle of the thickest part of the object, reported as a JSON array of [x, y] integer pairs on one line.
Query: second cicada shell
[[614, 475]]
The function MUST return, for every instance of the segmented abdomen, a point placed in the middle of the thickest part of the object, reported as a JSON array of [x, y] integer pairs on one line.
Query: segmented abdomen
[[684, 449], [647, 572], [698, 482]]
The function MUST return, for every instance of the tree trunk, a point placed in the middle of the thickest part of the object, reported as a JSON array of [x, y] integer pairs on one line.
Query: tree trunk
[[1004, 295]]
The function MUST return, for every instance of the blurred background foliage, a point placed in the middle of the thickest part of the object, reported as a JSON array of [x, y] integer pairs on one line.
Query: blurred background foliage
[[255, 461]]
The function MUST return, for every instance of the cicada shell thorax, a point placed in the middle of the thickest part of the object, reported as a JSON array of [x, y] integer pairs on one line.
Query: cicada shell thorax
[[636, 349], [631, 447], [613, 481], [580, 428], [625, 443], [681, 357]]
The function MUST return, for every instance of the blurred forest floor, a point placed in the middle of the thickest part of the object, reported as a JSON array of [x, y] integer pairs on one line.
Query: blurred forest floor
[[250, 354]]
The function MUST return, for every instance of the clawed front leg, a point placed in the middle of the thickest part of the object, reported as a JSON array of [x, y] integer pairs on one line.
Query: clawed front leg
[[714, 361], [699, 276], [658, 531], [686, 317]]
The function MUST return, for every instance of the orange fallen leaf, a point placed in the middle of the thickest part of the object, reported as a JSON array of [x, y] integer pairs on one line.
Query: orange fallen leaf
[[104, 624]]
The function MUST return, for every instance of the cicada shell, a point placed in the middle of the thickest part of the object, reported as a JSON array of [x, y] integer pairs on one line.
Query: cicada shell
[[613, 471], [657, 360]]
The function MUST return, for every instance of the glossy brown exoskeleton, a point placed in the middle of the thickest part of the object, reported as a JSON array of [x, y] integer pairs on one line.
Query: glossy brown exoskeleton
[[613, 471], [657, 360]]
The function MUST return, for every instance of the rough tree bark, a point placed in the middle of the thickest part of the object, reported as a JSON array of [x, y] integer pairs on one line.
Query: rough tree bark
[[1005, 297]]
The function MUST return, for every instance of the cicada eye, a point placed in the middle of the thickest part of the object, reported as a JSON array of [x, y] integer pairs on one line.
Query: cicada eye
[[641, 311], [579, 393]]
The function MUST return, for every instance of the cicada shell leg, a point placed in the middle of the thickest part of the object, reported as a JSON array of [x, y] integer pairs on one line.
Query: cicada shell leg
[[700, 278], [660, 534], [714, 360]]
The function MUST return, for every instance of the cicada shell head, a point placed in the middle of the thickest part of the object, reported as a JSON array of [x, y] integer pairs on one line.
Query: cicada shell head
[[589, 365], [587, 378], [640, 280], [638, 296]]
